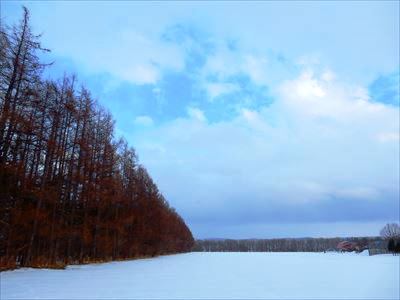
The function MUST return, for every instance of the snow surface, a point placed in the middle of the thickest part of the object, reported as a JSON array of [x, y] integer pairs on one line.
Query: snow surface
[[215, 275]]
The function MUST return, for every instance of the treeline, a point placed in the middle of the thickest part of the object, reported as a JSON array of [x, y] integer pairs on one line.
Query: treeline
[[69, 191], [281, 245]]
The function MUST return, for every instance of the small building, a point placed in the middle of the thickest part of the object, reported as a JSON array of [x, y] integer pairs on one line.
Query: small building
[[346, 246]]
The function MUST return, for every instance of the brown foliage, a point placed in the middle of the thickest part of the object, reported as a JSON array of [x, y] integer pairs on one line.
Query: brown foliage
[[70, 193]]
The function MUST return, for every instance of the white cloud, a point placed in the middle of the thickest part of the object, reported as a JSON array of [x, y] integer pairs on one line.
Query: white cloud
[[388, 137], [196, 114], [361, 193], [144, 121], [215, 90], [140, 74], [328, 75], [311, 60], [225, 64], [255, 121], [255, 68], [126, 54], [318, 140], [306, 87], [313, 96]]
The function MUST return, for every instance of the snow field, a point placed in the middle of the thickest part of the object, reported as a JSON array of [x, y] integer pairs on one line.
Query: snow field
[[215, 275]]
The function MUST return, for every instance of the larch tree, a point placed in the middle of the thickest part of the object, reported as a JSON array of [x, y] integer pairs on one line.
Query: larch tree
[[69, 191]]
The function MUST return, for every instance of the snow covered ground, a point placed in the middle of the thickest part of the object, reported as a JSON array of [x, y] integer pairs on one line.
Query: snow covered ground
[[215, 275]]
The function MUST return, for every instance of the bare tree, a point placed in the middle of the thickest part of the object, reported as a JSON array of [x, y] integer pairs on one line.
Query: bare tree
[[391, 231]]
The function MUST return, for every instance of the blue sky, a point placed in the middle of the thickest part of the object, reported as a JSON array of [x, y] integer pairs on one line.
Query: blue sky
[[256, 119]]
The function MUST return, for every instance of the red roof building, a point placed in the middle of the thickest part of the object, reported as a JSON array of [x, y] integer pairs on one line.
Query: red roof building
[[347, 246]]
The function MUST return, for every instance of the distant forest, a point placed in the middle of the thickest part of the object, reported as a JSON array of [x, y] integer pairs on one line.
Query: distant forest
[[284, 244], [69, 191]]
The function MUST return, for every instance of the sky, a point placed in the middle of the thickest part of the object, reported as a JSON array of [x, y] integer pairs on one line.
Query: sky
[[255, 119]]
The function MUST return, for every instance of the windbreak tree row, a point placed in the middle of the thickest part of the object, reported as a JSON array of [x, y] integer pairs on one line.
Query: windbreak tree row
[[281, 245], [69, 191]]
